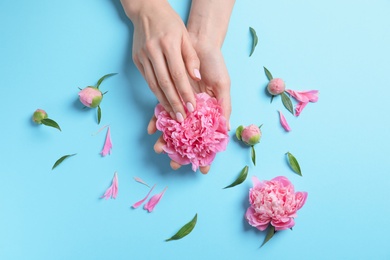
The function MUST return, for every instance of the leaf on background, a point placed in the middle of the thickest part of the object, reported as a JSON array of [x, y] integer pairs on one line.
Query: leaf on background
[[254, 41], [50, 122], [283, 122], [272, 98], [287, 103], [99, 114], [239, 131], [240, 179], [185, 230], [253, 155], [107, 144], [271, 232], [103, 78], [139, 203], [112, 191], [154, 201], [59, 161], [267, 73], [137, 179], [294, 163]]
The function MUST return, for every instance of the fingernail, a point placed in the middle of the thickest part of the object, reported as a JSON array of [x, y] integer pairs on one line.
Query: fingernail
[[197, 74], [179, 117], [190, 107], [172, 115]]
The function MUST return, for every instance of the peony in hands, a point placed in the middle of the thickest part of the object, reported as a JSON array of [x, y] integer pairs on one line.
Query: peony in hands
[[199, 137]]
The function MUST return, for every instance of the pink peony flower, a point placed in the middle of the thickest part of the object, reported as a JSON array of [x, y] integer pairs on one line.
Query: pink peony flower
[[251, 135], [276, 86], [274, 202], [39, 115], [90, 97], [199, 137]]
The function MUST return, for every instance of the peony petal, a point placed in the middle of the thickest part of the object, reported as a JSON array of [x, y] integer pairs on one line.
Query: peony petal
[[304, 96], [137, 179], [107, 144], [154, 201], [299, 107], [112, 191], [137, 204], [284, 123]]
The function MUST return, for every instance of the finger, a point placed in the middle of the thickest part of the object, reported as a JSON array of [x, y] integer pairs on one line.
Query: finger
[[158, 146], [152, 125], [204, 169], [175, 165], [191, 59], [222, 93]]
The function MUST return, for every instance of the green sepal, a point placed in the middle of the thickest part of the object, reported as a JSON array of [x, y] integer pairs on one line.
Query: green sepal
[[239, 131], [271, 232], [268, 74], [254, 41], [292, 161], [185, 230], [272, 98], [51, 123], [59, 161], [99, 114], [103, 78], [240, 179], [287, 103], [253, 154]]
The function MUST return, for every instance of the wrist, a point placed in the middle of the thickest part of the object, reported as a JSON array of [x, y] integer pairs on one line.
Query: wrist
[[136, 9]]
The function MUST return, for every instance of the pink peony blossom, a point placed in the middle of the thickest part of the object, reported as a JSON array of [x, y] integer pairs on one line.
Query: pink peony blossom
[[276, 86], [90, 97], [199, 137], [274, 202], [251, 135]]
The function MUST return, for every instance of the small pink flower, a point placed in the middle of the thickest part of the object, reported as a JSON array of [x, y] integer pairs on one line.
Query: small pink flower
[[107, 144], [154, 200], [283, 122], [276, 86], [112, 191], [199, 137], [90, 97], [39, 115], [274, 202], [251, 135]]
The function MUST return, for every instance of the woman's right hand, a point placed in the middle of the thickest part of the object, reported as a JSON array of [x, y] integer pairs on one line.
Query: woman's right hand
[[163, 53]]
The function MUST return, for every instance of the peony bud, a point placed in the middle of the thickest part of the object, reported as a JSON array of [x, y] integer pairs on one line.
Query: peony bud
[[90, 96], [276, 86], [251, 135], [39, 115]]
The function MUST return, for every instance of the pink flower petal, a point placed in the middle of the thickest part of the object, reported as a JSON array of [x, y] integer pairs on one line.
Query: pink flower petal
[[112, 191], [154, 201], [284, 123], [137, 204], [107, 144], [304, 96], [299, 107], [137, 179]]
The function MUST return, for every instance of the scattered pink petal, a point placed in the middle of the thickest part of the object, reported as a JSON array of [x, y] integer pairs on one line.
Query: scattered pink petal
[[154, 200], [107, 144], [137, 204], [284, 123], [112, 191], [304, 96], [299, 107], [101, 129], [137, 179]]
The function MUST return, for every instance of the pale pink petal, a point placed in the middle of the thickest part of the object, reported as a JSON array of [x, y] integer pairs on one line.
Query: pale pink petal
[[107, 144], [304, 96], [112, 191], [284, 123], [299, 107], [137, 204], [154, 201], [137, 179]]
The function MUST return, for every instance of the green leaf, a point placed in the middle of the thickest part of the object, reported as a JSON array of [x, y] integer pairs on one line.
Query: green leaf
[[272, 98], [287, 103], [271, 232], [185, 230], [240, 179], [239, 131], [253, 155], [103, 78], [255, 40], [267, 73], [99, 114], [294, 163], [59, 161], [50, 122]]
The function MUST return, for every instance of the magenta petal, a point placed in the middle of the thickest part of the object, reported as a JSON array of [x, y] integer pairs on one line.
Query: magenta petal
[[154, 201], [299, 107], [304, 96], [137, 204], [112, 191], [107, 144], [284, 123], [137, 179]]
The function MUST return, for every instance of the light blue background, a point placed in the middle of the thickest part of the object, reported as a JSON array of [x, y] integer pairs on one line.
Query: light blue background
[[50, 48]]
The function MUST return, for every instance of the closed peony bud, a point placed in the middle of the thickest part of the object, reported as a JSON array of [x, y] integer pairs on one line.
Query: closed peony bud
[[276, 86], [91, 97], [39, 115], [251, 135]]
